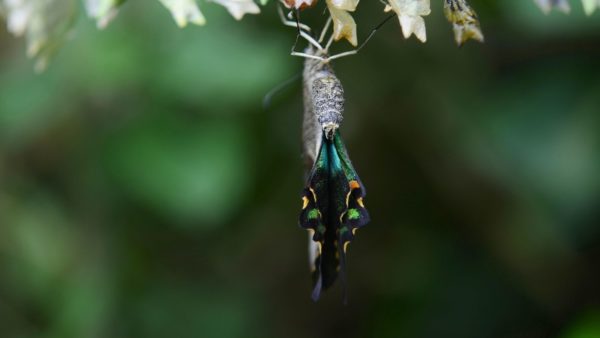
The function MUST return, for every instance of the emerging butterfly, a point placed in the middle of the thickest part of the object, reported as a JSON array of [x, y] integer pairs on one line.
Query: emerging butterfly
[[332, 201]]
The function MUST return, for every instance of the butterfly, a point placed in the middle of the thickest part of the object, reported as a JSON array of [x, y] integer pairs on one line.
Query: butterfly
[[333, 199], [332, 211]]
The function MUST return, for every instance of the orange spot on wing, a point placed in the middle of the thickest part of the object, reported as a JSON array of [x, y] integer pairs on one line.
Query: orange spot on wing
[[353, 185]]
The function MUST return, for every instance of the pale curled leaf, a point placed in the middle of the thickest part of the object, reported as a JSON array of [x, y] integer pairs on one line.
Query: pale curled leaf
[[184, 12], [589, 6], [344, 26], [464, 21], [103, 11], [548, 5], [44, 23], [239, 8], [410, 14]]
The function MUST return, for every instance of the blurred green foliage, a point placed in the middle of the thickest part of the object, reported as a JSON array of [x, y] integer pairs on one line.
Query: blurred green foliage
[[144, 191]]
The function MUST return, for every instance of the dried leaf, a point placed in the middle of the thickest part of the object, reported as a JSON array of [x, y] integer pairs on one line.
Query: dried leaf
[[589, 6], [44, 23], [464, 21], [344, 26], [103, 11], [184, 11], [547, 5], [410, 13], [299, 4], [239, 8]]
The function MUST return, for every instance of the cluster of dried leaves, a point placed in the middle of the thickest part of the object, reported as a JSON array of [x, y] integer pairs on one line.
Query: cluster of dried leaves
[[46, 23], [411, 15]]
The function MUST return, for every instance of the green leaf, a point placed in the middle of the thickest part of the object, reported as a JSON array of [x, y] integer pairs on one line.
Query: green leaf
[[193, 172]]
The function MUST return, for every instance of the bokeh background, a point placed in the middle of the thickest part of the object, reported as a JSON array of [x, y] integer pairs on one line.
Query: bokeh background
[[146, 192]]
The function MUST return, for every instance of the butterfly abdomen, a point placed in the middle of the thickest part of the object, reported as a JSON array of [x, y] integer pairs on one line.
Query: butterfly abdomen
[[328, 102]]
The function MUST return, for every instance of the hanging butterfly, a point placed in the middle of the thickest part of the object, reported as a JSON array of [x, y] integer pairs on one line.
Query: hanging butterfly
[[332, 201], [332, 210]]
